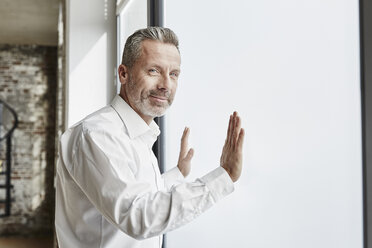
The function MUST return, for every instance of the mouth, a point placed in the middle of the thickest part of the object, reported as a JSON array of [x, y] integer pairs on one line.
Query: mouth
[[159, 98]]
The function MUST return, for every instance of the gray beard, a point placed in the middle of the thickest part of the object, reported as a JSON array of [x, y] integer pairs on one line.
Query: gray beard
[[144, 105]]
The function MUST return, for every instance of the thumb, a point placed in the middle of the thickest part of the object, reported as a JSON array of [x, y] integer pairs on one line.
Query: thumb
[[189, 155]]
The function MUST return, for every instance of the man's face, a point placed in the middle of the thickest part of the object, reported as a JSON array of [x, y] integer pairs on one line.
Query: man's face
[[150, 85]]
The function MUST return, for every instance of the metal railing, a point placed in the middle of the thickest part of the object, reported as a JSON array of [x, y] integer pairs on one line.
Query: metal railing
[[6, 159]]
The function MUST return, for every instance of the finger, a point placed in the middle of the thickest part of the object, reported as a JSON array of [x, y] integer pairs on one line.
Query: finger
[[240, 140], [233, 128], [233, 117], [184, 142], [227, 141], [189, 155], [237, 130]]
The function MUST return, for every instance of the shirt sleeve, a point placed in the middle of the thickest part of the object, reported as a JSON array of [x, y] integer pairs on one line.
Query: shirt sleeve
[[172, 177], [103, 169]]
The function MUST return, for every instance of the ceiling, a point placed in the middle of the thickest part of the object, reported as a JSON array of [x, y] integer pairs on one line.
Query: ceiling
[[29, 22]]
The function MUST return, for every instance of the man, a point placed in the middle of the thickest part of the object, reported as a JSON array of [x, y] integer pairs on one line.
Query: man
[[109, 191]]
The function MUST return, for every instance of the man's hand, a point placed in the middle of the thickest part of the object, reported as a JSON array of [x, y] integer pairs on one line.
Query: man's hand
[[184, 160], [232, 155]]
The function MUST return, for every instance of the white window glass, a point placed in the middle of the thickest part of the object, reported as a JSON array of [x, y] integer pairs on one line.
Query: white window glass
[[291, 69]]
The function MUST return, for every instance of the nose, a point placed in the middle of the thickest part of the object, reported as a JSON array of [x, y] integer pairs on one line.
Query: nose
[[164, 83]]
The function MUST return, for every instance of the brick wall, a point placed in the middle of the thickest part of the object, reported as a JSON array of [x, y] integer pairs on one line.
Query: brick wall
[[28, 83]]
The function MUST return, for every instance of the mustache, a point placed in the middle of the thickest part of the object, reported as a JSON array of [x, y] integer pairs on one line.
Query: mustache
[[159, 93]]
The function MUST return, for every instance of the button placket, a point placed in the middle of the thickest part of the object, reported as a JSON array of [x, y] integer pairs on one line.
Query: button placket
[[155, 168]]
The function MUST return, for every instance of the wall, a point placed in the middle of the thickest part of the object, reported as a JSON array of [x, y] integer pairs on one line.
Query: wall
[[29, 22], [28, 84]]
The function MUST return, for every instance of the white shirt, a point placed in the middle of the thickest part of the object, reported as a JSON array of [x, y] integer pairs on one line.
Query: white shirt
[[109, 190]]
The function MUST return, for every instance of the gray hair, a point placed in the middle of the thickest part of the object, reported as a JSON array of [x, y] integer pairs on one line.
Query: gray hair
[[133, 45]]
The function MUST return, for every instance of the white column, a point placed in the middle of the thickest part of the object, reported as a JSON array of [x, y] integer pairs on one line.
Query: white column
[[91, 56]]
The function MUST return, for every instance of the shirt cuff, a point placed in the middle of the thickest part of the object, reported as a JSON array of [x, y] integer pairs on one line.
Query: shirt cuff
[[172, 176], [219, 183]]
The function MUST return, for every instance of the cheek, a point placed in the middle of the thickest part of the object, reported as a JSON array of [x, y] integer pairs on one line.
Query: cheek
[[139, 84], [174, 88], [148, 83]]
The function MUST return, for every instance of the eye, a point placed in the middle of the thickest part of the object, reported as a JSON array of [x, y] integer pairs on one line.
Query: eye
[[153, 71], [174, 74]]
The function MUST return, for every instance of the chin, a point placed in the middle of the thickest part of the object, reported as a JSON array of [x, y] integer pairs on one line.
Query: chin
[[156, 113], [161, 114], [153, 110]]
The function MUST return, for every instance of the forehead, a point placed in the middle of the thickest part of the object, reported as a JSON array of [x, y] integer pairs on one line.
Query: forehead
[[163, 54]]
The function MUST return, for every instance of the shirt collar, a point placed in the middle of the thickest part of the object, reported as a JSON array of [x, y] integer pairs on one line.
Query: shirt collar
[[136, 126]]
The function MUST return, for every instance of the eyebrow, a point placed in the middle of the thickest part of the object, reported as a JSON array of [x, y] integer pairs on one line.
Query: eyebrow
[[178, 69]]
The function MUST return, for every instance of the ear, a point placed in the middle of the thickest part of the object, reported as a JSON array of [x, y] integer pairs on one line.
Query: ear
[[123, 73]]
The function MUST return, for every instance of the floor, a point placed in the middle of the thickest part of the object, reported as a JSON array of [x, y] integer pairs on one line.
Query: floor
[[26, 242]]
